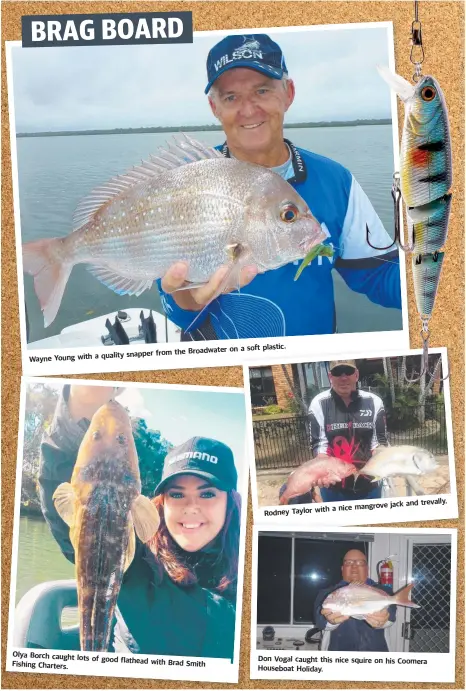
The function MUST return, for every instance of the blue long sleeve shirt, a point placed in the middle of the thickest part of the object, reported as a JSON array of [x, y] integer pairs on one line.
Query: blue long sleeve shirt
[[273, 304]]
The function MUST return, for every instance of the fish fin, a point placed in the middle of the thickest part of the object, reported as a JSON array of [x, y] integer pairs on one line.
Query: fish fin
[[63, 499], [402, 597], [230, 280], [42, 260], [122, 285], [145, 517], [189, 286], [400, 85], [179, 153], [131, 549]]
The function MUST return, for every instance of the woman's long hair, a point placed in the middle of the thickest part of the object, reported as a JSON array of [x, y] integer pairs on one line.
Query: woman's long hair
[[219, 561]]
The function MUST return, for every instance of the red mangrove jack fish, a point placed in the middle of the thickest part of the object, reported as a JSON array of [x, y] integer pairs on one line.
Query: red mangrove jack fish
[[358, 600], [188, 204], [104, 508], [329, 470]]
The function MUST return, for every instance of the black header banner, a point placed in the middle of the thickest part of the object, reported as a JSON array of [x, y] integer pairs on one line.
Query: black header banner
[[106, 29]]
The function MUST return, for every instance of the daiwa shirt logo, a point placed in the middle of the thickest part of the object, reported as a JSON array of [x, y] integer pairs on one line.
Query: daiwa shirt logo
[[194, 454], [248, 51]]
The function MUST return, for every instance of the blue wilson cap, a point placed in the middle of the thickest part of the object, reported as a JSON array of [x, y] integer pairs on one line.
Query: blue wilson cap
[[204, 457], [256, 51]]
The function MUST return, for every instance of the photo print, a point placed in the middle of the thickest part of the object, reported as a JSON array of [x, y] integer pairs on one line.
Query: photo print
[[163, 276], [128, 548], [374, 604], [352, 440]]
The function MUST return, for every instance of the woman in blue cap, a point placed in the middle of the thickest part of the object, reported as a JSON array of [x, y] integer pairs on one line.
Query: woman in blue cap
[[178, 597]]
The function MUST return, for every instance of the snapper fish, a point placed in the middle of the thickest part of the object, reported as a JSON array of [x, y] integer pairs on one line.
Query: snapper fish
[[328, 470], [104, 508], [189, 204], [390, 461], [357, 600]]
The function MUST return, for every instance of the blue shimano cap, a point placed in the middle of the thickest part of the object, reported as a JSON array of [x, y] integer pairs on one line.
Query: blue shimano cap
[[255, 51]]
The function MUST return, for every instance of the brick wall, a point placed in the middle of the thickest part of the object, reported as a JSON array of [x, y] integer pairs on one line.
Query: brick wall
[[281, 385]]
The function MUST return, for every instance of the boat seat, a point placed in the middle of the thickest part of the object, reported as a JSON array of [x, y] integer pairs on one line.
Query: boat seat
[[37, 622]]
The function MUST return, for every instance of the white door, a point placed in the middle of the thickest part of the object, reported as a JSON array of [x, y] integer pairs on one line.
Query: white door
[[426, 560]]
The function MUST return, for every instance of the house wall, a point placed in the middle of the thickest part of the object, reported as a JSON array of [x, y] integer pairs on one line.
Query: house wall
[[281, 385]]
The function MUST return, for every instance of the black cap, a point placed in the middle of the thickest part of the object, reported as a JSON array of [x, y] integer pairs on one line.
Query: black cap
[[204, 457], [257, 52]]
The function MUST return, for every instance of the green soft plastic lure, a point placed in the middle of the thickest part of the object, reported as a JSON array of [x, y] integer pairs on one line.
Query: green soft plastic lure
[[317, 251]]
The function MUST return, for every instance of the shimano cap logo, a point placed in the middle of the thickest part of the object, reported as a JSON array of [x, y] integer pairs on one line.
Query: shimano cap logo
[[197, 455]]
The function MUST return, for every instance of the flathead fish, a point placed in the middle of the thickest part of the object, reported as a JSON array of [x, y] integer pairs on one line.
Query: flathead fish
[[104, 507], [328, 470], [188, 204], [390, 461], [358, 600]]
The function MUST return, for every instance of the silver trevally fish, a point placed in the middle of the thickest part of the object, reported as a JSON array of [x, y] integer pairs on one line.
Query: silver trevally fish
[[400, 460], [212, 212], [357, 600]]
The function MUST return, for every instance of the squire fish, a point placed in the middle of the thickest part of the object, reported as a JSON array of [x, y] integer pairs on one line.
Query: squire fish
[[358, 600], [104, 507], [189, 204], [426, 176]]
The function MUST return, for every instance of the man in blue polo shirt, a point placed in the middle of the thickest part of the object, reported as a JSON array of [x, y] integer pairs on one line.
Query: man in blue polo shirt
[[249, 92]]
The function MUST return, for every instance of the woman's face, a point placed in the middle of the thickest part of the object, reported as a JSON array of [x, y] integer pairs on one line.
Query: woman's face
[[194, 511]]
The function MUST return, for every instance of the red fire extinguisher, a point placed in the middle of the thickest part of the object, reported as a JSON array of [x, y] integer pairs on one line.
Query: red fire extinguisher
[[385, 572]]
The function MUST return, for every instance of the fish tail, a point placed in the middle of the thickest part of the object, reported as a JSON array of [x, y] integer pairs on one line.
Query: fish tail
[[402, 596], [42, 259]]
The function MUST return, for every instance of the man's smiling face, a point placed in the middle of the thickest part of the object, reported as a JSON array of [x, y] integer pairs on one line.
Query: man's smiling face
[[251, 108]]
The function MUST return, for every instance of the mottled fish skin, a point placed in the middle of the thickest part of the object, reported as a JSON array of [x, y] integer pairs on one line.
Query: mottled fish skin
[[208, 211], [425, 157], [428, 225], [426, 273], [330, 471], [101, 505], [391, 461], [358, 600]]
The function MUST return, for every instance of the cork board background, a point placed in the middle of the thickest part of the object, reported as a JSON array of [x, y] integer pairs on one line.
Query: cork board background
[[443, 36]]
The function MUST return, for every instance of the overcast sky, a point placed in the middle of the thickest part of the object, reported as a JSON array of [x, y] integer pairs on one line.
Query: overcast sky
[[334, 70]]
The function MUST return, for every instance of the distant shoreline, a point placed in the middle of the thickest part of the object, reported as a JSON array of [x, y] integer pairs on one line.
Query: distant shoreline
[[198, 128]]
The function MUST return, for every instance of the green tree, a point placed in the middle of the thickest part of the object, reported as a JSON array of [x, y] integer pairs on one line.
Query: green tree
[[41, 401], [152, 449]]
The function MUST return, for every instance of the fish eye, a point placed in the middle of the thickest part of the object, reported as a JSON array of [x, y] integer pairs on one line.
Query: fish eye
[[96, 435], [121, 439], [289, 213], [428, 93]]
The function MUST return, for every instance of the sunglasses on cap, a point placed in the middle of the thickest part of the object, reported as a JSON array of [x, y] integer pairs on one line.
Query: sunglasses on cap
[[342, 369]]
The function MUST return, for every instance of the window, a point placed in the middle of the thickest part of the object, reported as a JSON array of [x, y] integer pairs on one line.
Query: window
[[274, 580], [291, 571], [262, 386]]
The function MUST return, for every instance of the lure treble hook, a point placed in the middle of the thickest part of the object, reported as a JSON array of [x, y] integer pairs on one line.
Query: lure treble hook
[[396, 196], [425, 361]]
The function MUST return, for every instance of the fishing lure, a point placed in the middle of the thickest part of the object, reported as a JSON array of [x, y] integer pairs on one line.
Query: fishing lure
[[423, 182]]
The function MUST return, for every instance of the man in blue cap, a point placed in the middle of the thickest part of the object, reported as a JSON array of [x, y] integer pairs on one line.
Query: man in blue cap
[[249, 92]]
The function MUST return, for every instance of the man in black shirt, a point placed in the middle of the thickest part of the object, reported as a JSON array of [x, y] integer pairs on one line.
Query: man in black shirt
[[346, 423], [346, 633]]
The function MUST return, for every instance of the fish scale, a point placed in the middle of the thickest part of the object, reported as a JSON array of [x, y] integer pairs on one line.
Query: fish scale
[[177, 208], [103, 508]]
